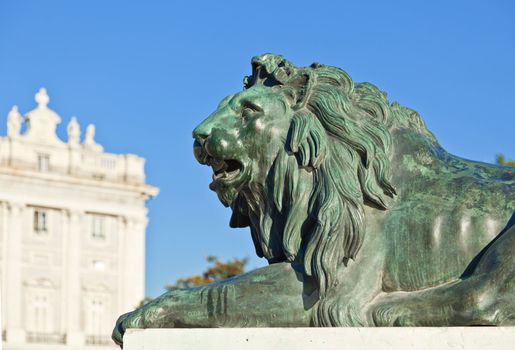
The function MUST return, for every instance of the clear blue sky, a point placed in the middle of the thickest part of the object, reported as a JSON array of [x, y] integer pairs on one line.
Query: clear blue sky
[[147, 72]]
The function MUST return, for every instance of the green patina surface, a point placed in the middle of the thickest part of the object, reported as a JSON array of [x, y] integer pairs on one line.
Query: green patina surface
[[365, 219]]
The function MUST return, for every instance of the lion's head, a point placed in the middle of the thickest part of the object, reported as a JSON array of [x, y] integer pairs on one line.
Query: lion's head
[[296, 155]]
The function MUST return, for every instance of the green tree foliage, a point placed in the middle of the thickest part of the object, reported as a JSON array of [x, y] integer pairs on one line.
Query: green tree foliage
[[501, 161]]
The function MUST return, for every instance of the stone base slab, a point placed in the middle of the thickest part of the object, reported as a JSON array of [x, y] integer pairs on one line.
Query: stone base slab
[[420, 338]]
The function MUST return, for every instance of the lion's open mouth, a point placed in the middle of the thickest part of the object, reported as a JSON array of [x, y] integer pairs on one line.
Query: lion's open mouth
[[225, 170]]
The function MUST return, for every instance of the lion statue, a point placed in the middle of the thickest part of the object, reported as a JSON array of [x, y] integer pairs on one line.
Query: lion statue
[[364, 218]]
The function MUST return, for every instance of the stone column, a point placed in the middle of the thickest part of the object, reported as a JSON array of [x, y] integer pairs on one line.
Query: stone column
[[121, 225], [63, 306], [4, 209], [14, 292], [74, 329], [134, 260]]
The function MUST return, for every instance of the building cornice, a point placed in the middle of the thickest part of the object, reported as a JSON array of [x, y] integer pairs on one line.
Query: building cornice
[[35, 177]]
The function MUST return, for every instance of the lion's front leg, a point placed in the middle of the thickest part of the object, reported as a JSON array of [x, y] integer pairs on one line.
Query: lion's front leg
[[172, 309], [273, 296]]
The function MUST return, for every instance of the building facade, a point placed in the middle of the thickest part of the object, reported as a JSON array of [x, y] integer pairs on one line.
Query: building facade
[[72, 234]]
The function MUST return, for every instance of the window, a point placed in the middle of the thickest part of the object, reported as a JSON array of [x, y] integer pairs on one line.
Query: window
[[40, 314], [39, 310], [40, 221], [97, 314], [99, 265], [96, 317], [98, 228], [43, 162]]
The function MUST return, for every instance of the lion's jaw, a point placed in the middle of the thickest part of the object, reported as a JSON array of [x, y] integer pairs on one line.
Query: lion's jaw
[[230, 174]]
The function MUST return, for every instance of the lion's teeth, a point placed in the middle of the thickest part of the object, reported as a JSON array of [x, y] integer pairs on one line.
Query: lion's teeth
[[222, 173], [217, 166]]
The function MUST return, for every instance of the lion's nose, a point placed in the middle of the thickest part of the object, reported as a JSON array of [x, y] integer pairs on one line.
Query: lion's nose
[[199, 151], [201, 133], [200, 139]]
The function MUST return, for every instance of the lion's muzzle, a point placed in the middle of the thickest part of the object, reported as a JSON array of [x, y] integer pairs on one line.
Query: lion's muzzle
[[199, 152]]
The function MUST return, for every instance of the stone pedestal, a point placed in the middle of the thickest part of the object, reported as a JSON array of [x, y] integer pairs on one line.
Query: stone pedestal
[[484, 338]]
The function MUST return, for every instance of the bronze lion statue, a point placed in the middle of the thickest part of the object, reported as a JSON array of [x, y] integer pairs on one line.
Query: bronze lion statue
[[364, 218]]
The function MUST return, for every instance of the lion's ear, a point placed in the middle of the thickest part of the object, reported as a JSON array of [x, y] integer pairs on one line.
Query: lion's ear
[[307, 140]]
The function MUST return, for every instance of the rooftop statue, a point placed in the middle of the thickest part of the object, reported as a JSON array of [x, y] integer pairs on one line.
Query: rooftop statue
[[73, 132], [14, 121], [89, 140], [364, 218]]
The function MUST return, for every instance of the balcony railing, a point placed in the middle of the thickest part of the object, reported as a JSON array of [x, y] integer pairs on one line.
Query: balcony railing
[[98, 340], [45, 338]]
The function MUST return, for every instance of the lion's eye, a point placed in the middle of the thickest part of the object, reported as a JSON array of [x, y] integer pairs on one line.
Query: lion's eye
[[248, 112]]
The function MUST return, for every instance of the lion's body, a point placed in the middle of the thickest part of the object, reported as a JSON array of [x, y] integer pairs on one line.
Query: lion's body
[[447, 213], [365, 219], [447, 210]]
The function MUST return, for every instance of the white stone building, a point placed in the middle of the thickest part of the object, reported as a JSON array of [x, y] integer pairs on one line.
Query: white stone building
[[72, 234]]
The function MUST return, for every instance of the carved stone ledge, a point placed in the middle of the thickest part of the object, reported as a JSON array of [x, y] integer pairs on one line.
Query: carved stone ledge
[[419, 338]]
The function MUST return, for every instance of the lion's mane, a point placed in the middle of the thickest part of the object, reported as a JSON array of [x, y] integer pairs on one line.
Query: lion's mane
[[336, 159]]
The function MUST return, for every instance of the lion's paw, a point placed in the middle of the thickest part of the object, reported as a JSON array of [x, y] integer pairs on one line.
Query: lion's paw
[[132, 319], [391, 315]]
